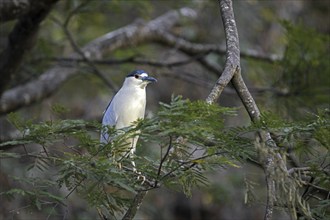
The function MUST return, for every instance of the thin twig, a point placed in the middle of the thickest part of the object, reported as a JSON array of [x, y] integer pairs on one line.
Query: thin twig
[[191, 162], [132, 59], [163, 160], [75, 187], [45, 150], [75, 46]]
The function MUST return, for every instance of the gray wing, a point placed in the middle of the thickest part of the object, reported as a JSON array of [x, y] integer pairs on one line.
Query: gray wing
[[109, 118]]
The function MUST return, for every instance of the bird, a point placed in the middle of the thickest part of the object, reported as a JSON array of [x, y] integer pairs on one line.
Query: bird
[[127, 106]]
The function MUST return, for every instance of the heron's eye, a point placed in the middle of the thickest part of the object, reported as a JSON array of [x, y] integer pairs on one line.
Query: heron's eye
[[136, 76]]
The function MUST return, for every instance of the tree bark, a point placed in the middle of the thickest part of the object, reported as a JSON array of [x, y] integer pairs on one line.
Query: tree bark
[[21, 39], [232, 72], [137, 201], [13, 9]]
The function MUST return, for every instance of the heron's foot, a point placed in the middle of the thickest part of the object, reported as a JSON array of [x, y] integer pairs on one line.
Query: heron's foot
[[140, 177], [119, 165], [135, 170]]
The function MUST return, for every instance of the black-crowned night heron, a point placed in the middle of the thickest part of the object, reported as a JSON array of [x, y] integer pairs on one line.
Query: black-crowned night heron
[[126, 107]]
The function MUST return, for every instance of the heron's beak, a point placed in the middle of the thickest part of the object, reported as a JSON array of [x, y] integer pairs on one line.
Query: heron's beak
[[149, 79]]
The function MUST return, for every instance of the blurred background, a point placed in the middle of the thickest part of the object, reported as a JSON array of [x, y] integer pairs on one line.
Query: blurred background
[[295, 83]]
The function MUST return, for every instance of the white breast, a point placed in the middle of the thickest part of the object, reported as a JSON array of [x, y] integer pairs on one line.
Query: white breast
[[129, 105]]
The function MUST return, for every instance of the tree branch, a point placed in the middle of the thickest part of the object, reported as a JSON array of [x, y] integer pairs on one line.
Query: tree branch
[[232, 72], [49, 82], [65, 61], [137, 201], [77, 49], [232, 64], [163, 158], [10, 10], [21, 39], [167, 38]]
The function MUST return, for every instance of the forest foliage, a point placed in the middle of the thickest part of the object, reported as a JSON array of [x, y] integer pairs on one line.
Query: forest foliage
[[187, 139]]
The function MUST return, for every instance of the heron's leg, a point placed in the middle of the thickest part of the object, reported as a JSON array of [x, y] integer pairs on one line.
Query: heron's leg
[[133, 164], [132, 152]]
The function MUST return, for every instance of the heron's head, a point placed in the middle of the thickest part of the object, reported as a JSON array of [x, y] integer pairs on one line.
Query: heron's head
[[139, 78]]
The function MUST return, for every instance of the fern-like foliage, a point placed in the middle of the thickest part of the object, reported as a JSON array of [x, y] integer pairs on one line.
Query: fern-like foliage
[[187, 139]]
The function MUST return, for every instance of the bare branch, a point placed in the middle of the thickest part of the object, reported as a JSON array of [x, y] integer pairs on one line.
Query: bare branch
[[163, 158], [232, 64], [49, 82], [75, 46], [167, 38], [65, 61], [232, 72]]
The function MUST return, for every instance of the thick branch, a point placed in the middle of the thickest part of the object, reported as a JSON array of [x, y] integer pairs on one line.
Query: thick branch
[[233, 67], [12, 9], [21, 39], [232, 64], [49, 81], [232, 72]]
